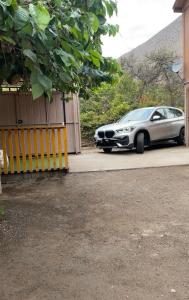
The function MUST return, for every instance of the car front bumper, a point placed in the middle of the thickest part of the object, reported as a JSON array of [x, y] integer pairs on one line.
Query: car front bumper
[[122, 143]]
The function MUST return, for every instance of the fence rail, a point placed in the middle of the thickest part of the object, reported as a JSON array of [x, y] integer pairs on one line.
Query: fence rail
[[34, 148]]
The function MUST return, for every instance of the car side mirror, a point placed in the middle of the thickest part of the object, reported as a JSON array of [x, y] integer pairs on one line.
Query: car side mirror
[[156, 118]]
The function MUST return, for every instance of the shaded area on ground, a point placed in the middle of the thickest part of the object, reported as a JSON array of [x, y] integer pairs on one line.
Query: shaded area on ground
[[109, 235]]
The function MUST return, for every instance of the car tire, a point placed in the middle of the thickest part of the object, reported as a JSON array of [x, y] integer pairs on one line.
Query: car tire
[[140, 143], [181, 137], [107, 150]]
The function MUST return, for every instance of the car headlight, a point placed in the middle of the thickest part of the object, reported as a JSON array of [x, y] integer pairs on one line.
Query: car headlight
[[125, 130]]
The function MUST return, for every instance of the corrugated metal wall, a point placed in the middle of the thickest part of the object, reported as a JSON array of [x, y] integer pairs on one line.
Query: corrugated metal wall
[[19, 108]]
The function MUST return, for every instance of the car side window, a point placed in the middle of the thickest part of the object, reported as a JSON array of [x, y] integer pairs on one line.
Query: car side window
[[173, 113], [160, 113], [177, 113]]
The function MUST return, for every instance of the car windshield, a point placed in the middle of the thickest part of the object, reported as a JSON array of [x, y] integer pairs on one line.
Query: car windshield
[[142, 114]]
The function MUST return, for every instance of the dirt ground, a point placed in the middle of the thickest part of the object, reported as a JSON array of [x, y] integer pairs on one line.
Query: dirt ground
[[97, 236]]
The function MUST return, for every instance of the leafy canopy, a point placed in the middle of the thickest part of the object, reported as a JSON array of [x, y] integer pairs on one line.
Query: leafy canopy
[[55, 44]]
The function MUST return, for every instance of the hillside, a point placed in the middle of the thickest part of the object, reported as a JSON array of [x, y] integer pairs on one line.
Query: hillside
[[169, 38]]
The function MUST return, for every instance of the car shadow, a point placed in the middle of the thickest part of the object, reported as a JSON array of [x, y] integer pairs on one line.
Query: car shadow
[[157, 146]]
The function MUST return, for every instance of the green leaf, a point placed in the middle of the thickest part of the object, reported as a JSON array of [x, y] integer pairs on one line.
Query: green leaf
[[95, 61], [66, 46], [14, 4], [45, 81], [8, 39], [58, 2], [2, 211], [76, 32], [66, 58], [111, 7], [113, 29], [21, 17], [86, 35], [90, 3], [95, 57], [9, 23], [30, 54], [93, 22], [28, 29], [5, 2], [48, 95], [95, 53], [40, 15], [38, 77], [37, 90]]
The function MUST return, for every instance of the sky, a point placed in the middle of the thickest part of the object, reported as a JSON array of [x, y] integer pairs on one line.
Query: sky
[[139, 20]]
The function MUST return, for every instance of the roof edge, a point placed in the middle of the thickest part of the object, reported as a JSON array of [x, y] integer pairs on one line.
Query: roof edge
[[178, 6], [177, 9]]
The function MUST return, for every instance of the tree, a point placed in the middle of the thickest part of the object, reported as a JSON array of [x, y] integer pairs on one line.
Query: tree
[[161, 62], [154, 74], [55, 44], [107, 104]]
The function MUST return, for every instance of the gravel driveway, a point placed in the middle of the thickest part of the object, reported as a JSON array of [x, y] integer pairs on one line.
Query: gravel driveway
[[97, 236]]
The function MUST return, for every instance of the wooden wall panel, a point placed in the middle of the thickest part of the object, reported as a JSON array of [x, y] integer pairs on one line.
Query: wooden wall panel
[[7, 110], [55, 110], [29, 111]]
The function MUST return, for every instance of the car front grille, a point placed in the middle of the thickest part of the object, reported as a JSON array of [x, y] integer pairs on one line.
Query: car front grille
[[109, 134], [106, 134], [101, 134]]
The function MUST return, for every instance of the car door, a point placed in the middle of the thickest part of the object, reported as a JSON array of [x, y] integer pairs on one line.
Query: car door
[[175, 118], [159, 129]]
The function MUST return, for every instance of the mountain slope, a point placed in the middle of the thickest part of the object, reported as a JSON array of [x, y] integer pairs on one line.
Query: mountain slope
[[169, 38]]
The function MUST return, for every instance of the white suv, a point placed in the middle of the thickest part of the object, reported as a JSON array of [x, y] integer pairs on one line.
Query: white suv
[[142, 127]]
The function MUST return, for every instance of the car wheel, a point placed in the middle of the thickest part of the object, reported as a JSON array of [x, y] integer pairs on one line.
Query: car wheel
[[181, 138], [107, 150], [140, 143]]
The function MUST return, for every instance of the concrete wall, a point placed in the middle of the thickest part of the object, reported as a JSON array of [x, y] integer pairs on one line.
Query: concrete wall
[[186, 39], [185, 10], [182, 6]]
